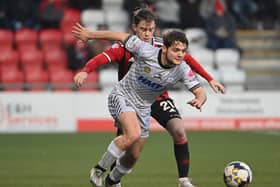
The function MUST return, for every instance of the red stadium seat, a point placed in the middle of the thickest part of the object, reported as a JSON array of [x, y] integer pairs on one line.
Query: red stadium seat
[[68, 38], [9, 57], [55, 58], [54, 69], [6, 38], [70, 17], [11, 66], [61, 80], [26, 38], [11, 79], [92, 82], [5, 69], [50, 38], [36, 79], [31, 57]]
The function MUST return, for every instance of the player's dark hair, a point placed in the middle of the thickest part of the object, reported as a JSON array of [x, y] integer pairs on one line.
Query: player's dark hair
[[143, 14], [170, 37]]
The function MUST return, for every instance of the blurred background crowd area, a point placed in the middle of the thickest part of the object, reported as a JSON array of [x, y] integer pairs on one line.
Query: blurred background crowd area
[[236, 41]]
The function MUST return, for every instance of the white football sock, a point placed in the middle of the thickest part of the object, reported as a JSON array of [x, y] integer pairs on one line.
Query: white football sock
[[110, 156], [119, 171]]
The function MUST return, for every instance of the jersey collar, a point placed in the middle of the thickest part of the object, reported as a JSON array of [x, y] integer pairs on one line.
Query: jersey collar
[[160, 62]]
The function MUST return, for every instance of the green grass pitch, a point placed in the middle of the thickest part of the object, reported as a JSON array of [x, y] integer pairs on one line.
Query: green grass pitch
[[64, 160]]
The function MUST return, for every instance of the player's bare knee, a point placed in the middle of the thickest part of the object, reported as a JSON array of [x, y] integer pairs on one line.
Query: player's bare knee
[[176, 130], [130, 139], [179, 135]]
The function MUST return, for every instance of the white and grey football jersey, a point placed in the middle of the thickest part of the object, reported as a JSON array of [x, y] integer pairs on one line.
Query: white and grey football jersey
[[147, 78]]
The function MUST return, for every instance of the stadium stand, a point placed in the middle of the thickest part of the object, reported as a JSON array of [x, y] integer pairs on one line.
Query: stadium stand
[[9, 57], [36, 78], [88, 15], [117, 20], [61, 80], [228, 65], [92, 83], [50, 38], [197, 38], [68, 38], [233, 79], [32, 57], [204, 56], [107, 78], [227, 59], [27, 47], [11, 78], [55, 58], [26, 38], [70, 17], [260, 58], [112, 5], [6, 38]]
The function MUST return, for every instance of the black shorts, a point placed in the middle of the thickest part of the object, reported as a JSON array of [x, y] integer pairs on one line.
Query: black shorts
[[164, 110]]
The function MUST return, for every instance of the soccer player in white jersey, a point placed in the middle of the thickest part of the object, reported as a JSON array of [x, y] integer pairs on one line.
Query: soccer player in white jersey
[[144, 27], [129, 103]]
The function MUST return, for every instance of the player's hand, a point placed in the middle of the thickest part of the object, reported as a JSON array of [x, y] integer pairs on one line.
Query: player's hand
[[196, 103], [200, 98], [80, 32], [217, 87], [80, 78]]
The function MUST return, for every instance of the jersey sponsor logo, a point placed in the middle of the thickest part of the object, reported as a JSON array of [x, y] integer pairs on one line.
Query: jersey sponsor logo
[[147, 69], [150, 84], [190, 73]]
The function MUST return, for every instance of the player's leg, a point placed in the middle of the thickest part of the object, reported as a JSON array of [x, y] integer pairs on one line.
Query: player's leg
[[175, 127], [125, 163], [131, 133], [127, 120], [119, 132], [133, 153], [166, 113], [131, 130]]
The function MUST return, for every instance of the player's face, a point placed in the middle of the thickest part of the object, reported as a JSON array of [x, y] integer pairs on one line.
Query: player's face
[[175, 53], [145, 30]]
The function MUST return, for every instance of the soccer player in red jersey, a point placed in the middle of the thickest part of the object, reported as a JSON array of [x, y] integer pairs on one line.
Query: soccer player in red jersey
[[163, 109]]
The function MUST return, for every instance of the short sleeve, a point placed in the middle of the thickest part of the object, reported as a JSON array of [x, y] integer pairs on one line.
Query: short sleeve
[[138, 47], [190, 80]]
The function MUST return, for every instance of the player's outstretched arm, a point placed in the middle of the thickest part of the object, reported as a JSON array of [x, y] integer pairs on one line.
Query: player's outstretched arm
[[194, 64], [217, 87], [200, 98], [83, 34]]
